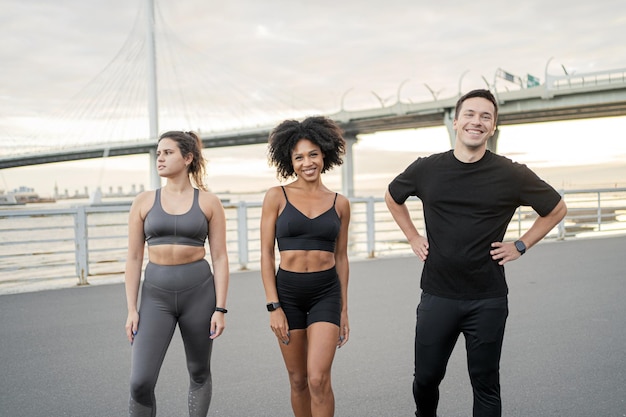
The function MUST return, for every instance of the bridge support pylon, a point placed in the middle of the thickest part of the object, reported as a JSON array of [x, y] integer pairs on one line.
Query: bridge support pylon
[[155, 179], [347, 168], [448, 119]]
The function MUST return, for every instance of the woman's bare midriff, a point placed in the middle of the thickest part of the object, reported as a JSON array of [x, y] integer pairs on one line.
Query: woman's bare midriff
[[306, 260], [175, 254]]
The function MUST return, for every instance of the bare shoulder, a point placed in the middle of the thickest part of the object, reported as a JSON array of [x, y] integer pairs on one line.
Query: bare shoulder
[[342, 203], [144, 201], [273, 195], [208, 200], [342, 199]]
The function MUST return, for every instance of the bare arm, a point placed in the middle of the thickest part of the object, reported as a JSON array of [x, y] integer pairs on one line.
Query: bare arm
[[400, 213], [219, 259], [134, 262], [269, 214], [505, 252], [343, 267]]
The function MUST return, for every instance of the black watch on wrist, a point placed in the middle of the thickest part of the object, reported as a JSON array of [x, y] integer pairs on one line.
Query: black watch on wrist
[[273, 306], [520, 246]]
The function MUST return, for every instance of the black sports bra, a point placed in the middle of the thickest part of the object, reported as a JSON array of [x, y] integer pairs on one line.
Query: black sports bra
[[295, 231]]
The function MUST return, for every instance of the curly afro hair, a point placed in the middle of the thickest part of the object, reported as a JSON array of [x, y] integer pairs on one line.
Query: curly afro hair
[[320, 130]]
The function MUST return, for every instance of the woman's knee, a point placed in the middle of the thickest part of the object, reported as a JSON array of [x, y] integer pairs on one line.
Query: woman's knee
[[199, 372], [298, 381], [142, 391], [319, 383]]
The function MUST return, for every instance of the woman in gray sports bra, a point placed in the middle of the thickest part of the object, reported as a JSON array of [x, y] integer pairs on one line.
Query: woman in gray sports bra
[[307, 297], [179, 287]]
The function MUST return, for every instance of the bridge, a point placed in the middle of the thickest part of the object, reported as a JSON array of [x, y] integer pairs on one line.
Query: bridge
[[583, 96], [566, 97], [114, 105]]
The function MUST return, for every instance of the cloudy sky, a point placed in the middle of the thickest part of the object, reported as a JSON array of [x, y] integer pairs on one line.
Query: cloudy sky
[[64, 60]]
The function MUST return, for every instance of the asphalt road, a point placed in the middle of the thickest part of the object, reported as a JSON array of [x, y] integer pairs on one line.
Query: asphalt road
[[64, 352]]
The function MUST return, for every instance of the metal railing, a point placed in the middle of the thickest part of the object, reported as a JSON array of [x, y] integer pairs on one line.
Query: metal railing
[[574, 80], [86, 241]]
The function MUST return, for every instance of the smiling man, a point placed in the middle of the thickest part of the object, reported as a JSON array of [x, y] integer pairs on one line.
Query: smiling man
[[469, 195]]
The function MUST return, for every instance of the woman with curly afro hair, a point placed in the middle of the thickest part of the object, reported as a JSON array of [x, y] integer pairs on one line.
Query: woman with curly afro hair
[[307, 298]]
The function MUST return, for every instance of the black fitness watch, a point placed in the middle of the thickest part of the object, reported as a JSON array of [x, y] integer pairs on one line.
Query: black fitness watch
[[520, 246], [273, 306]]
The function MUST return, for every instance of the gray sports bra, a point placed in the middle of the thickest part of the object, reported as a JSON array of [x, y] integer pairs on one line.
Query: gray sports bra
[[161, 228]]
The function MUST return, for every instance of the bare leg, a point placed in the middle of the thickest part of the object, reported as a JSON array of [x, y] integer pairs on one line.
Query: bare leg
[[322, 345], [295, 357]]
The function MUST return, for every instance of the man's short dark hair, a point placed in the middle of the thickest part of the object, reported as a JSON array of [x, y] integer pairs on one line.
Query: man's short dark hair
[[486, 94]]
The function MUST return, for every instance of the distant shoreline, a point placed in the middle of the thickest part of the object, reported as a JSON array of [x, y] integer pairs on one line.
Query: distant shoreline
[[243, 186]]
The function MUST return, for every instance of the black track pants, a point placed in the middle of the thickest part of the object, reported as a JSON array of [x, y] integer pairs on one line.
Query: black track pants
[[439, 323]]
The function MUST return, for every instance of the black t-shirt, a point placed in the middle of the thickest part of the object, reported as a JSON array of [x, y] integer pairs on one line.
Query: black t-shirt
[[467, 206]]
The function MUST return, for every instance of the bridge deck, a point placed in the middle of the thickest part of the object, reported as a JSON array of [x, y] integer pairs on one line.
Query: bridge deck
[[561, 98]]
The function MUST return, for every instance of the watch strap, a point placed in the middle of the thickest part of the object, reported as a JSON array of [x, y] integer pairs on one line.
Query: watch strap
[[273, 306]]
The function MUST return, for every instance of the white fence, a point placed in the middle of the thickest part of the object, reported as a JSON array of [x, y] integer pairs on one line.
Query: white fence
[[89, 241]]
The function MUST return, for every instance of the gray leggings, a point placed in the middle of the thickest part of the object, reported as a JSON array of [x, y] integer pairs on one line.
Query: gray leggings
[[183, 294]]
